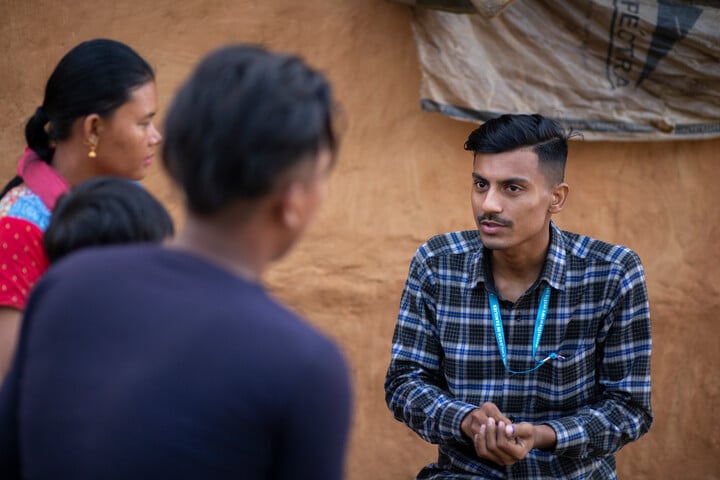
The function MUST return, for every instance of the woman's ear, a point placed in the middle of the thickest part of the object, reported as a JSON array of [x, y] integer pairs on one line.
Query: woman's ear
[[559, 196], [91, 129]]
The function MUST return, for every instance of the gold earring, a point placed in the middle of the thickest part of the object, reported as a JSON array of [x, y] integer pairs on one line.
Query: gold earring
[[92, 153]]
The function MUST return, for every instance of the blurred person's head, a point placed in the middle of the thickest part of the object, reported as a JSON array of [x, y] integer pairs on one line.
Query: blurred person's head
[[105, 211], [249, 137]]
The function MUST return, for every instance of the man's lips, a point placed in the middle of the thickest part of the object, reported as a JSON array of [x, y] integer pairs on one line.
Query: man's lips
[[491, 226]]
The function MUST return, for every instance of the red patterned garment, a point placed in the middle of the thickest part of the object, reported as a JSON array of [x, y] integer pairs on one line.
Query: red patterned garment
[[22, 260], [24, 215]]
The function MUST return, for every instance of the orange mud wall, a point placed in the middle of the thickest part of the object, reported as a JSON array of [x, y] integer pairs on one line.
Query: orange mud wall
[[402, 177]]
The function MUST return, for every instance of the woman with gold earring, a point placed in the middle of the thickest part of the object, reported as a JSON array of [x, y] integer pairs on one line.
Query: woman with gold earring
[[96, 119]]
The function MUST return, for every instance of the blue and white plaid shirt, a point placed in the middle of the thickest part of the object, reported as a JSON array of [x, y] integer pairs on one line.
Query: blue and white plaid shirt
[[445, 359]]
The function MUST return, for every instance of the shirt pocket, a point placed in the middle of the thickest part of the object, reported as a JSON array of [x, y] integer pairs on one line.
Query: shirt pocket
[[566, 383]]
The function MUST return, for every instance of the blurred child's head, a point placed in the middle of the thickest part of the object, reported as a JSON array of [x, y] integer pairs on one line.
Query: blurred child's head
[[105, 211]]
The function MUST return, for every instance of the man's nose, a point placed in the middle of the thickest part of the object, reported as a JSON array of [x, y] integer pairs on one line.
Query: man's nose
[[492, 201]]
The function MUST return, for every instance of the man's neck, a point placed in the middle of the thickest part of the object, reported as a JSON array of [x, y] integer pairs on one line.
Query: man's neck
[[516, 269], [239, 250]]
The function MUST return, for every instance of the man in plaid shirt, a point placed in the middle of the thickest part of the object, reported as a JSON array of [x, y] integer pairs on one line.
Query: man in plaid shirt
[[522, 350]]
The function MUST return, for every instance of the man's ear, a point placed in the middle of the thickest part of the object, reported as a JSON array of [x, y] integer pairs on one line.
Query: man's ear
[[91, 126], [291, 205], [559, 196]]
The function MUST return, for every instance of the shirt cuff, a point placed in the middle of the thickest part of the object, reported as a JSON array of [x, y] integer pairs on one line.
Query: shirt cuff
[[571, 439], [452, 417]]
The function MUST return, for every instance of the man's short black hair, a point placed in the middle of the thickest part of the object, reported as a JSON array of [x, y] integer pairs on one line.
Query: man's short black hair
[[104, 211], [241, 121], [542, 135]]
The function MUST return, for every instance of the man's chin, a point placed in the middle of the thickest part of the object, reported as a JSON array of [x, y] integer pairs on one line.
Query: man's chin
[[493, 243]]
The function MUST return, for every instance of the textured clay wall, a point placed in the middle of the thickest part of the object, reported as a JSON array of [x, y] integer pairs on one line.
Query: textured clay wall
[[402, 177]]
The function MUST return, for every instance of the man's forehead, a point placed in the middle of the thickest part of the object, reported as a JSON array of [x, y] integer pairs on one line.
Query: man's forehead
[[523, 157]]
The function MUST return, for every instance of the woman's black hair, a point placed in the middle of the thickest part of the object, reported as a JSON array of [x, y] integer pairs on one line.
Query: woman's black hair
[[105, 211], [97, 76]]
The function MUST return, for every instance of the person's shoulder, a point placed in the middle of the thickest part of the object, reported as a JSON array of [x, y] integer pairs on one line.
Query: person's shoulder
[[288, 327], [22, 203], [316, 346], [593, 249], [291, 340], [316, 351], [106, 255], [97, 265], [451, 243]]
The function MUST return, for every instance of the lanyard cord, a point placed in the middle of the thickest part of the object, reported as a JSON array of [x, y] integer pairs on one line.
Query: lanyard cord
[[537, 332]]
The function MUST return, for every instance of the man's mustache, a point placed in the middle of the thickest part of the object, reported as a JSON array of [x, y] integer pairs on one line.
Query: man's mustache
[[494, 219]]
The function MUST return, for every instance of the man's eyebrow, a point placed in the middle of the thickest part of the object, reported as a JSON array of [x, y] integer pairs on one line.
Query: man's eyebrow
[[503, 181], [515, 180]]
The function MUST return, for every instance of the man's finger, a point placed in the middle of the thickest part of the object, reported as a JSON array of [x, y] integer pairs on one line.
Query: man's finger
[[480, 442], [492, 411]]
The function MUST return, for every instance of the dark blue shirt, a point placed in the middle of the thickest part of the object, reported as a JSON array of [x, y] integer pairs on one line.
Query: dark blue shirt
[[145, 362]]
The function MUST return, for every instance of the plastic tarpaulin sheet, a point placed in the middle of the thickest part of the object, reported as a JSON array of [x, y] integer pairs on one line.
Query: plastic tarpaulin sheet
[[612, 69], [488, 8]]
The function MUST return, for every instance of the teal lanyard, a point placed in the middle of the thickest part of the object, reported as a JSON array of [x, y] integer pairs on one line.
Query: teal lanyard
[[537, 333]]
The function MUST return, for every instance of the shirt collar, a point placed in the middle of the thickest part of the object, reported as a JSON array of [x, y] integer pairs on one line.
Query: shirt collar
[[553, 271]]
